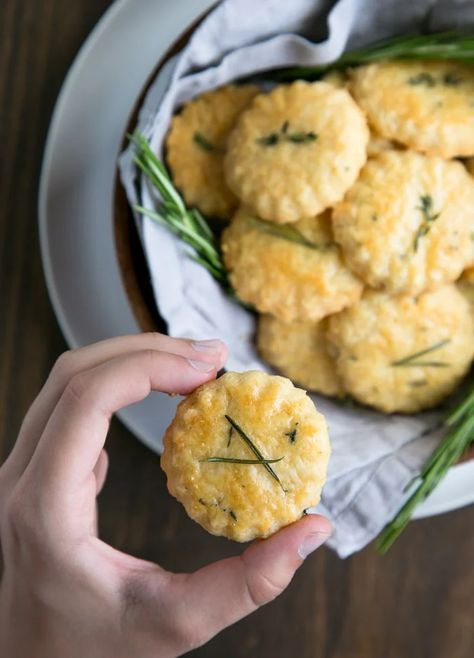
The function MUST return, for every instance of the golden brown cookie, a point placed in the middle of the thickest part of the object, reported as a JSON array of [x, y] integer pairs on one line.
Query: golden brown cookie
[[403, 353], [405, 224], [294, 272], [246, 416], [466, 286], [469, 164], [298, 350], [196, 144], [425, 105], [296, 150], [379, 145], [338, 79]]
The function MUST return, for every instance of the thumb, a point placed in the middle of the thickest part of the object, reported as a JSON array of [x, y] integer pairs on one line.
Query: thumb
[[225, 591]]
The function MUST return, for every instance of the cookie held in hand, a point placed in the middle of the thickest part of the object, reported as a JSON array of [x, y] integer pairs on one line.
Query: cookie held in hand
[[246, 454]]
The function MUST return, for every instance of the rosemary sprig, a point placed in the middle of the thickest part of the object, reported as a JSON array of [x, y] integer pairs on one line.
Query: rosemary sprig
[[189, 225], [204, 143], [426, 208], [460, 435], [411, 359], [443, 45], [289, 233], [235, 460], [253, 448]]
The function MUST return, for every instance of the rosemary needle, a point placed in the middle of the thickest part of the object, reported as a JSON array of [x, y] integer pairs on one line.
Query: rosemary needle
[[442, 45], [426, 208], [411, 360], [204, 143], [289, 233], [254, 449], [235, 460]]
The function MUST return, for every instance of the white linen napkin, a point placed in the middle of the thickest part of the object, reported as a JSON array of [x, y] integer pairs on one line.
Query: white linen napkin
[[374, 455]]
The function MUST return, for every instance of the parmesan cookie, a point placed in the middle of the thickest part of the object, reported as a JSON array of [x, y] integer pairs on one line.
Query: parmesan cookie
[[196, 143], [405, 224], [379, 145], [295, 151], [425, 105], [299, 351], [469, 163], [294, 272], [403, 353], [338, 79], [466, 286], [246, 417]]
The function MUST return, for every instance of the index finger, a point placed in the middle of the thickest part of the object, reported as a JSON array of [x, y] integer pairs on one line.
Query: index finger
[[85, 358], [76, 431]]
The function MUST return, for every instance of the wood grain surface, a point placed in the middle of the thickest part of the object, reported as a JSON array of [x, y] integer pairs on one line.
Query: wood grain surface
[[418, 601]]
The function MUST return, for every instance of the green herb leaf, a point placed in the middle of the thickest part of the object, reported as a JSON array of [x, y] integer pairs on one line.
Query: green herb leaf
[[253, 448], [290, 233], [201, 141], [236, 460], [422, 78], [451, 79], [438, 46], [298, 138], [411, 360], [283, 136], [460, 435], [269, 140], [426, 207]]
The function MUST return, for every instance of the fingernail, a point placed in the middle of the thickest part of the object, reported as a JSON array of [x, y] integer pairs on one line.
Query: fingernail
[[202, 366], [212, 345], [311, 543]]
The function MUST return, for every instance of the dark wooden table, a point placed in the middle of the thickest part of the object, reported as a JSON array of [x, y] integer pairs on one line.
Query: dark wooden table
[[418, 601]]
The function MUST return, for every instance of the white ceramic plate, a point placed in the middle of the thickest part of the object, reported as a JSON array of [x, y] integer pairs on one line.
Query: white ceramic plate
[[76, 194]]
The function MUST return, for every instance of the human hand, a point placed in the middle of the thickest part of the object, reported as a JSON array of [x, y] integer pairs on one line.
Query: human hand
[[64, 593]]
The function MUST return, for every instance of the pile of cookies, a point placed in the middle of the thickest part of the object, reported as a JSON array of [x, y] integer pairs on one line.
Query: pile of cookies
[[351, 208]]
